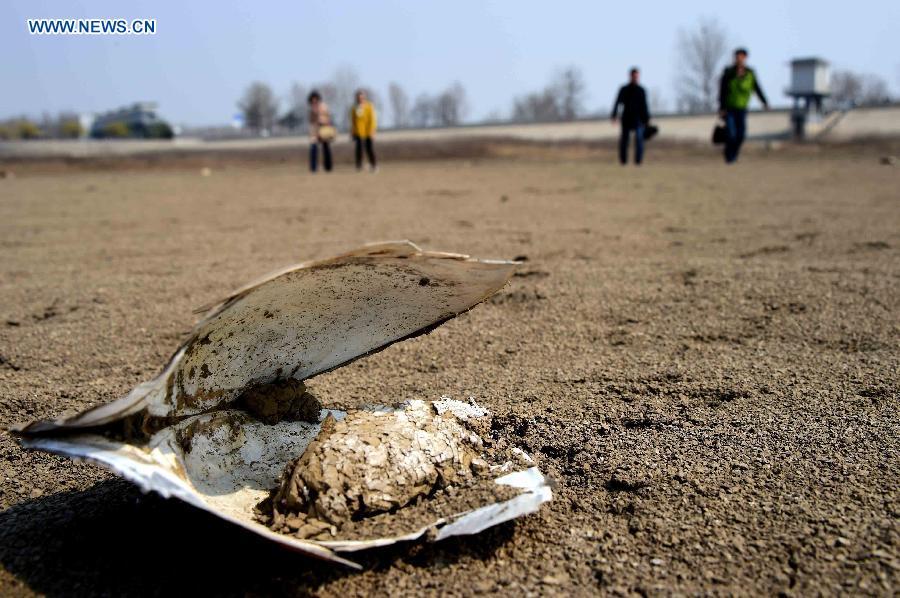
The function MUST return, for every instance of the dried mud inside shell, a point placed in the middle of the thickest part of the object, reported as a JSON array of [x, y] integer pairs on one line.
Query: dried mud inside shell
[[384, 473], [279, 401], [422, 512]]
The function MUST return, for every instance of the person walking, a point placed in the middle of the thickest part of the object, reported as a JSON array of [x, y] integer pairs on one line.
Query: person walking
[[737, 85], [362, 129], [321, 132], [635, 116]]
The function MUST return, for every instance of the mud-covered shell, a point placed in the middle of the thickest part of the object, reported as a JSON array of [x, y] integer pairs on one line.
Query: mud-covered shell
[[302, 321], [291, 325]]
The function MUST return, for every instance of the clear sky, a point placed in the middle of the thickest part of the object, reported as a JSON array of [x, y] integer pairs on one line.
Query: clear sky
[[206, 52]]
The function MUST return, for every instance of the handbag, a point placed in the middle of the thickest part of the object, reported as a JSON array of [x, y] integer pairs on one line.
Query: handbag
[[327, 133], [650, 131], [720, 134]]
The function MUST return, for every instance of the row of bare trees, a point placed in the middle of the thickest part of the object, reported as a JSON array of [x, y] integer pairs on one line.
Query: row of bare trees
[[858, 89], [701, 54], [260, 105], [561, 99], [446, 108]]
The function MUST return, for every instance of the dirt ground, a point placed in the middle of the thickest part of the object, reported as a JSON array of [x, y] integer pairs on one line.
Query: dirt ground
[[705, 358]]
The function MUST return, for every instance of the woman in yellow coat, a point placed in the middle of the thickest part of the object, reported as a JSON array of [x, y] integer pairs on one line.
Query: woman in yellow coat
[[362, 128]]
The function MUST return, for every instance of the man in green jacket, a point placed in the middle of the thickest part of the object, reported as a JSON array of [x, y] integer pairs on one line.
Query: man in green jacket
[[737, 85]]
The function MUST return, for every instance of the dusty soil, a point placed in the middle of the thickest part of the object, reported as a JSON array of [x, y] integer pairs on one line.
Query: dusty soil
[[705, 358]]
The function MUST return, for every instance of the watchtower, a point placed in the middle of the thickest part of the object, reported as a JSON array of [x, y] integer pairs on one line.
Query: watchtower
[[810, 85]]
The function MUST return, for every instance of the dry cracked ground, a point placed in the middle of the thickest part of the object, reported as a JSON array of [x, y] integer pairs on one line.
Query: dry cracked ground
[[704, 358]]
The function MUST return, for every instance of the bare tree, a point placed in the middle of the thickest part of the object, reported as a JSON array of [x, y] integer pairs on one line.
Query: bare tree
[[422, 113], [494, 116], [259, 106], [446, 109], [561, 99], [450, 107], [700, 54], [569, 88], [297, 98], [295, 117], [344, 83], [846, 87], [858, 89], [875, 91], [540, 106], [399, 104]]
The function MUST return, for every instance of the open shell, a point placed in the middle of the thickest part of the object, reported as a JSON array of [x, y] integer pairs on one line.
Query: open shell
[[294, 324]]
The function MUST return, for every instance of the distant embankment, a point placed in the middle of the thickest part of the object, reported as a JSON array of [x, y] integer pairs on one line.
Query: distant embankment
[[853, 125]]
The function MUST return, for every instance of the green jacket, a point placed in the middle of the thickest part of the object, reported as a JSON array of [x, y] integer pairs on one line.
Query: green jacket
[[735, 92]]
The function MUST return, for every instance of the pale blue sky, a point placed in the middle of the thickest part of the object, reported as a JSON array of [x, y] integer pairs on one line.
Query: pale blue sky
[[206, 52]]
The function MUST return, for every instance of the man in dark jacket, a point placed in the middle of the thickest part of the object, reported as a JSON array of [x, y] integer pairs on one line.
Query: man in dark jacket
[[737, 85], [635, 116]]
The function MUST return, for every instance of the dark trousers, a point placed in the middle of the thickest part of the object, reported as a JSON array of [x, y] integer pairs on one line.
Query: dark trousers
[[370, 151], [736, 126], [314, 156], [638, 142]]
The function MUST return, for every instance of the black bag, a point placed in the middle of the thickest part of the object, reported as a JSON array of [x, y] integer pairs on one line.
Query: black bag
[[720, 134], [650, 131]]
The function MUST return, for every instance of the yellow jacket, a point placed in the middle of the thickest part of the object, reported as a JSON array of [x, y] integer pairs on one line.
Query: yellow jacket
[[362, 120]]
